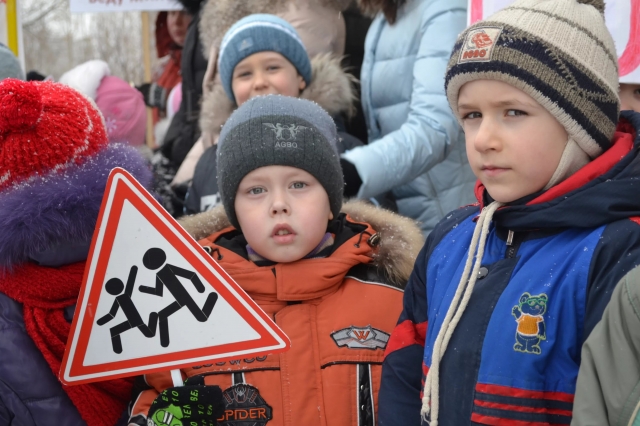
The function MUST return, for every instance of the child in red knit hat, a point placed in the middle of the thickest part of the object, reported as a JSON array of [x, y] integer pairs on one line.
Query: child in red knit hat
[[54, 162]]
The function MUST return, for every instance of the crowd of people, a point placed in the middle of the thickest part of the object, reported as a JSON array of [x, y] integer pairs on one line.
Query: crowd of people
[[440, 217]]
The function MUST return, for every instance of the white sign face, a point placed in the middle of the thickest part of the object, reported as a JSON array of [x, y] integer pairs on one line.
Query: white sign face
[[94, 6], [623, 21], [134, 236], [152, 299]]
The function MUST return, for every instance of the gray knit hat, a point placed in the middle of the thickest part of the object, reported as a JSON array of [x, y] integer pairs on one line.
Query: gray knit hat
[[260, 33], [559, 52], [278, 130], [9, 65]]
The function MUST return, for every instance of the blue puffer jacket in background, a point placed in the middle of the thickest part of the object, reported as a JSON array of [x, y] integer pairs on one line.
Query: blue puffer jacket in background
[[416, 146], [30, 395]]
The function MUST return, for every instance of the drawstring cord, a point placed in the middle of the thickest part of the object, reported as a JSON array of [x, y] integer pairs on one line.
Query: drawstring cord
[[431, 398]]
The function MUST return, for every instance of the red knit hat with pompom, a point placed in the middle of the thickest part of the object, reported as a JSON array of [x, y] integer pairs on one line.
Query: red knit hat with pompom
[[44, 127]]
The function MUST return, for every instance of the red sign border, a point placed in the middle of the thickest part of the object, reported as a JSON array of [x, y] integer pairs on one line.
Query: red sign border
[[124, 192]]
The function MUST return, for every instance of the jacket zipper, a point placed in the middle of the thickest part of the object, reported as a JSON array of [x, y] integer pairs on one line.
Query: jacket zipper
[[511, 249]]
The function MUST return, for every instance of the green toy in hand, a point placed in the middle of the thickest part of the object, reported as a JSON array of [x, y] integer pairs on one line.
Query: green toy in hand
[[193, 404]]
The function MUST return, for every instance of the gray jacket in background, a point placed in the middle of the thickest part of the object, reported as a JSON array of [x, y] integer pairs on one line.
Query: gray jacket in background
[[608, 388]]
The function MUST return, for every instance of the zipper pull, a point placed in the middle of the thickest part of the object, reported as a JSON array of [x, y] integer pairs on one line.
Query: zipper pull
[[510, 238]]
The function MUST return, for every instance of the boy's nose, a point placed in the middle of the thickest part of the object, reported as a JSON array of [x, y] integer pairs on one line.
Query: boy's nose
[[279, 205], [486, 138], [259, 81]]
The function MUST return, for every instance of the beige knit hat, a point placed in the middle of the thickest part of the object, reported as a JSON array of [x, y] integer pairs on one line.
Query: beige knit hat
[[559, 52]]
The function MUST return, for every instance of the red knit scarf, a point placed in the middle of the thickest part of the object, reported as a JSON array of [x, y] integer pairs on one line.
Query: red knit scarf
[[44, 293]]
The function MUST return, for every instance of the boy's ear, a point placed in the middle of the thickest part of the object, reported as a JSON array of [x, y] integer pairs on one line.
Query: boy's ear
[[330, 215], [301, 83]]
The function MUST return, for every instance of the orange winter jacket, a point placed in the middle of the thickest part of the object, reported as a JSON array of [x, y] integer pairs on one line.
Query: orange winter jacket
[[338, 312]]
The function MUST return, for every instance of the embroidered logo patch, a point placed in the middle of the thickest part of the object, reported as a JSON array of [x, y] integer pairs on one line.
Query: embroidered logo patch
[[531, 327], [479, 44], [245, 406], [361, 338], [285, 133], [245, 44]]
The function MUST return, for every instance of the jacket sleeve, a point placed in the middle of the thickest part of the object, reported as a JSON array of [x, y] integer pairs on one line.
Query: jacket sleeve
[[399, 401], [608, 388], [423, 140]]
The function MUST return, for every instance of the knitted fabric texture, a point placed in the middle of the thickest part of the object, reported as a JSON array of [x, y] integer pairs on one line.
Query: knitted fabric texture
[[44, 293], [260, 33], [278, 130], [9, 65], [44, 128], [559, 52]]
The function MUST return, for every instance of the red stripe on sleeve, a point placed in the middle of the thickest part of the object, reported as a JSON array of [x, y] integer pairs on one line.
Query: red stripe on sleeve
[[406, 334], [523, 393], [521, 408], [488, 420]]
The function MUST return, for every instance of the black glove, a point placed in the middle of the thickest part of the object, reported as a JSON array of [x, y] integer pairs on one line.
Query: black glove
[[154, 96], [352, 181], [189, 405]]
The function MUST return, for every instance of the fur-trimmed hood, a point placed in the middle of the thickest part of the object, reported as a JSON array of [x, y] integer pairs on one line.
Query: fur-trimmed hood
[[219, 15], [61, 207], [331, 88], [400, 237]]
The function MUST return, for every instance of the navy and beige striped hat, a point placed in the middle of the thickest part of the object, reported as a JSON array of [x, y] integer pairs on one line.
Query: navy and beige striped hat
[[559, 52]]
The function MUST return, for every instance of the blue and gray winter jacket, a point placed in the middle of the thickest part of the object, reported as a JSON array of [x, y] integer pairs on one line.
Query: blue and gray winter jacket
[[550, 265], [416, 147]]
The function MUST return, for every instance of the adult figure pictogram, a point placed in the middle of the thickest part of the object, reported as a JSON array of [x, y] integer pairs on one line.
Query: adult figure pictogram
[[167, 276], [123, 301]]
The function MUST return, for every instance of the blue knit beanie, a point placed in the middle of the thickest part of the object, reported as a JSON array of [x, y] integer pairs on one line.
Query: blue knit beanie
[[9, 64], [261, 33], [276, 130]]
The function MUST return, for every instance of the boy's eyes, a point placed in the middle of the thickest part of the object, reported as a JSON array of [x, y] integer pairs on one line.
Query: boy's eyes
[[256, 191], [298, 185], [509, 113], [471, 115]]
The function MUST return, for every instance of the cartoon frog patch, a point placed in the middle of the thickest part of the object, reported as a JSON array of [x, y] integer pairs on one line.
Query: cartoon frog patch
[[531, 327]]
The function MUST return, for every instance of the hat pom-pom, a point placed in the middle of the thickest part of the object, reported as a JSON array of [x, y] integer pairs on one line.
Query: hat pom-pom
[[598, 4], [20, 105]]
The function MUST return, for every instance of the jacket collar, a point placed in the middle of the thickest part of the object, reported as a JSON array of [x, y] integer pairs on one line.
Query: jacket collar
[[394, 256], [282, 281]]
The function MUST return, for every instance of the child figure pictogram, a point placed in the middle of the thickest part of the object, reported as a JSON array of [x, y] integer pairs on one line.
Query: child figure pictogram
[[167, 276], [123, 301]]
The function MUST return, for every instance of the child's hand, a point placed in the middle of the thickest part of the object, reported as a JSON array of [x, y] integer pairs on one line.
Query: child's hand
[[192, 404]]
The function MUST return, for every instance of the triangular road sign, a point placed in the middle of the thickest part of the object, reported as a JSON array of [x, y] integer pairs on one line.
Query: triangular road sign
[[152, 299]]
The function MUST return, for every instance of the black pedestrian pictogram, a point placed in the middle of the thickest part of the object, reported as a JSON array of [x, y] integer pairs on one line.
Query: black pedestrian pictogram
[[123, 301], [167, 276]]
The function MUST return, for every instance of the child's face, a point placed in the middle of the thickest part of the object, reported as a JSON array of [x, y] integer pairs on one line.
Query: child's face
[[514, 145], [630, 97], [177, 23], [283, 212], [265, 73]]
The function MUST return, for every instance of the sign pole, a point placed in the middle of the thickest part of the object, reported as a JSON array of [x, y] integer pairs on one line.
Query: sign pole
[[12, 26], [146, 43]]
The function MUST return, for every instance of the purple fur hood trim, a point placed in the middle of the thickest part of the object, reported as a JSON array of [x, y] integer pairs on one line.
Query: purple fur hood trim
[[61, 207]]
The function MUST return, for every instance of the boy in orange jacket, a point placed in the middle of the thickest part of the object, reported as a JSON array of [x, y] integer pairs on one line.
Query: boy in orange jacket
[[331, 280]]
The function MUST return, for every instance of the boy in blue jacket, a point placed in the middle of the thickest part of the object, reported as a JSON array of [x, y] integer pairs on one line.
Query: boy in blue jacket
[[505, 292]]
